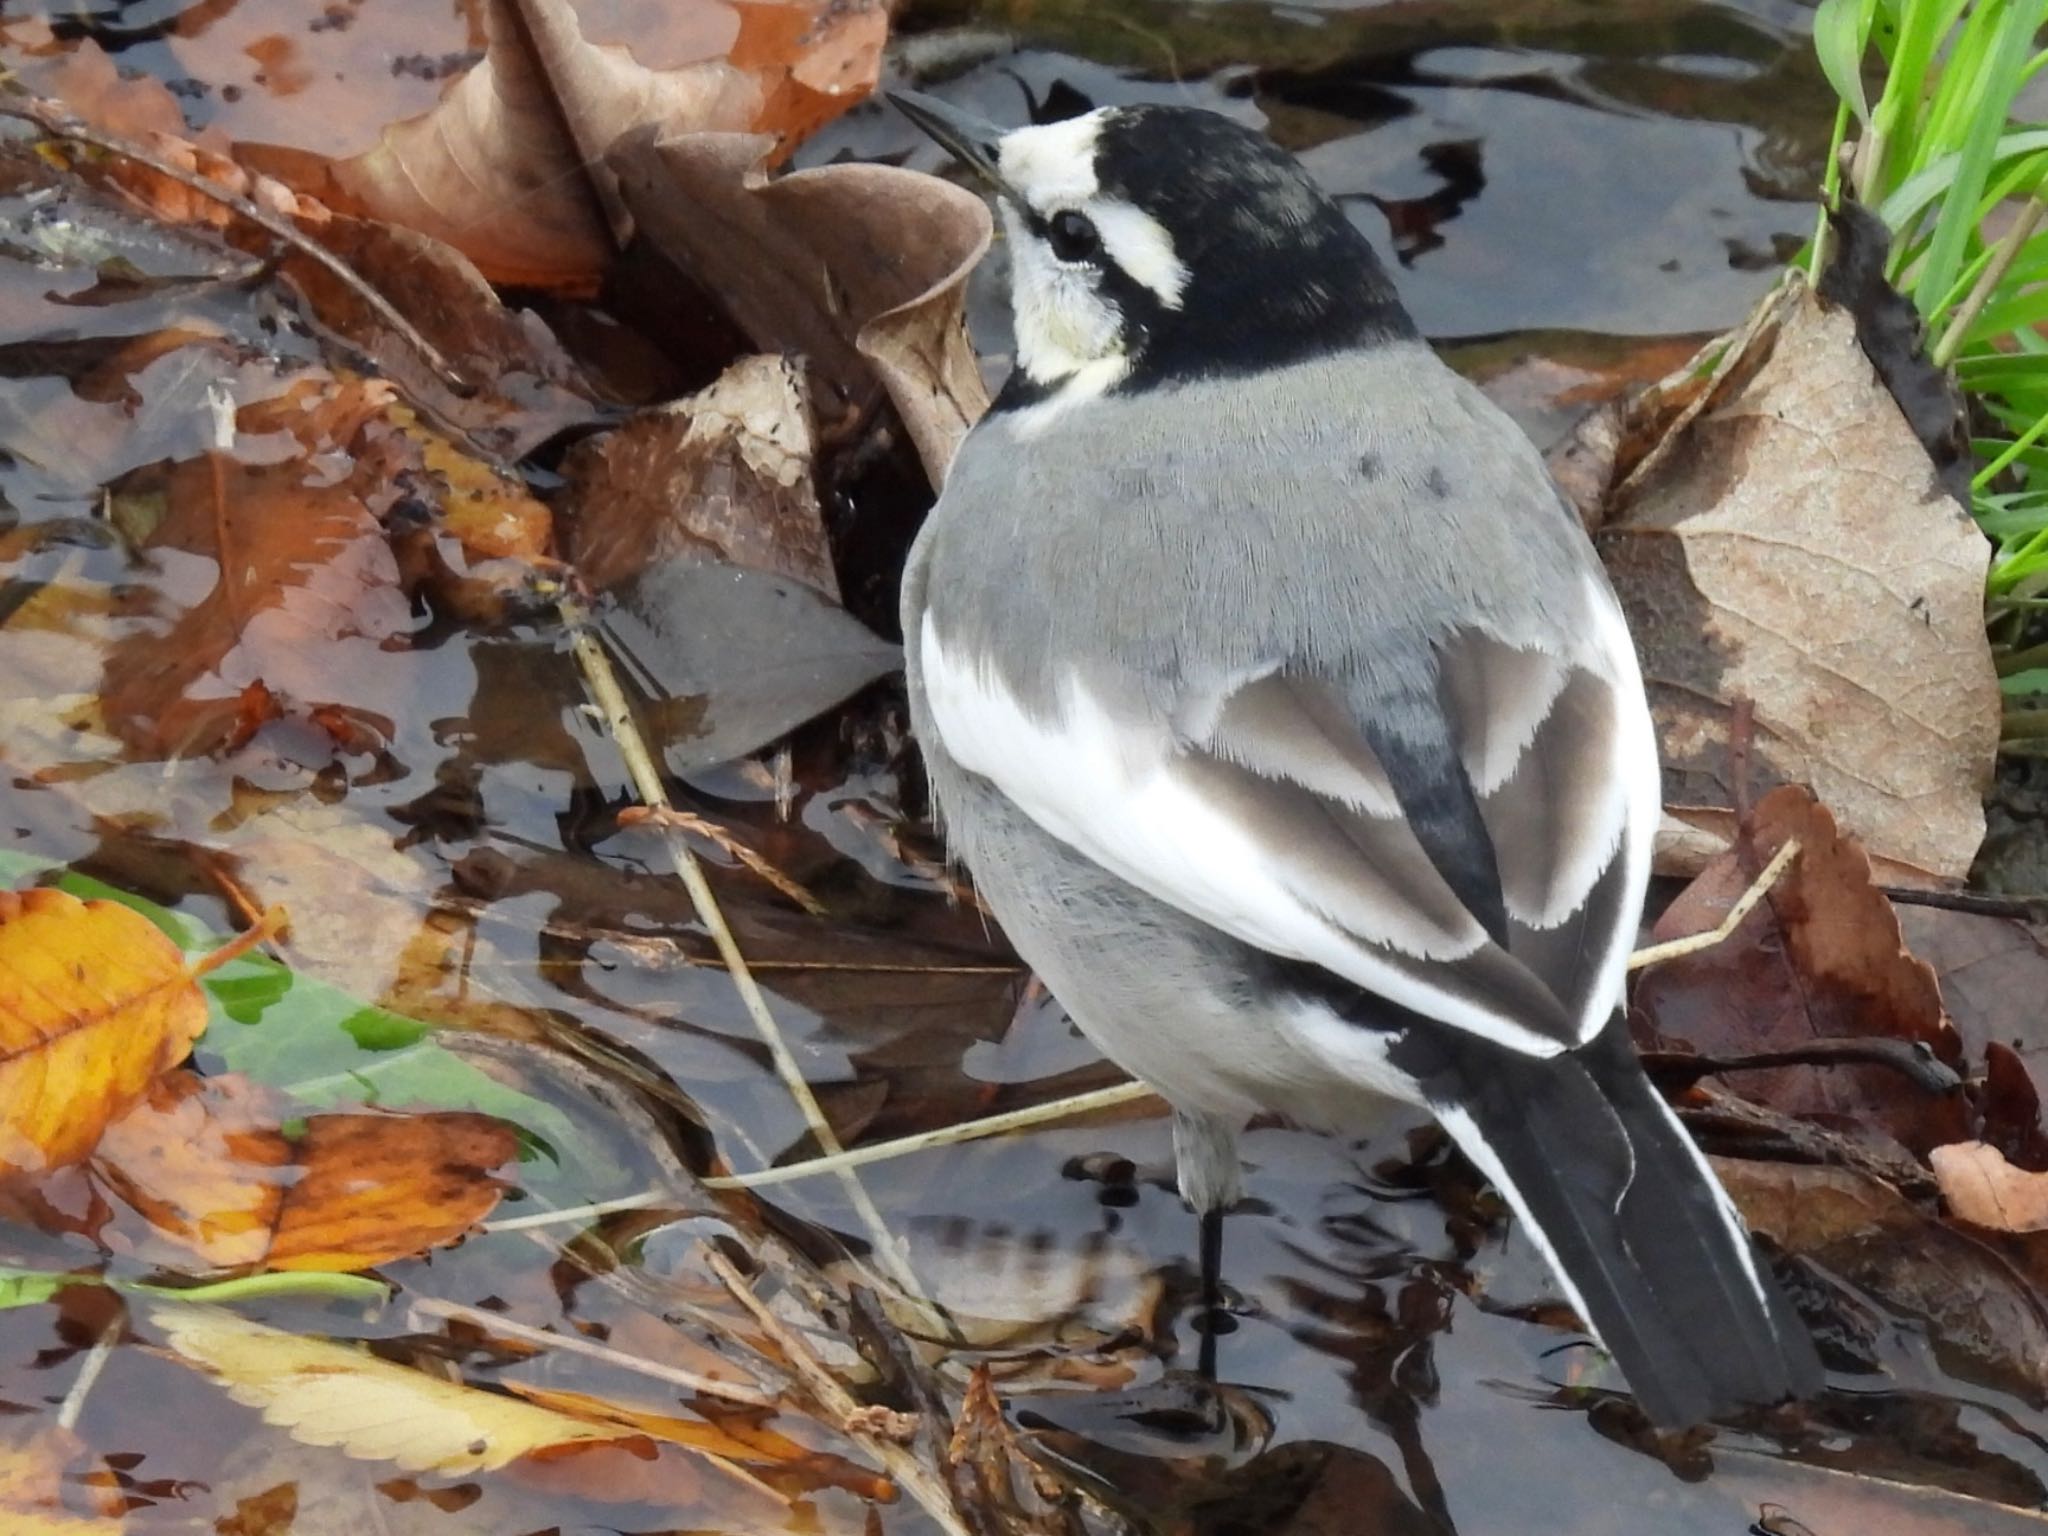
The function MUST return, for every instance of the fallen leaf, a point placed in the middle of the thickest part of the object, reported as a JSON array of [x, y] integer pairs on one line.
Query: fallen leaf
[[95, 1004], [1985, 1190], [205, 1162], [819, 262], [1788, 544], [324, 1393], [508, 168], [269, 1513], [32, 1488], [734, 658], [79, 73], [524, 388], [300, 599], [793, 1466], [1821, 957], [1975, 1301], [725, 474]]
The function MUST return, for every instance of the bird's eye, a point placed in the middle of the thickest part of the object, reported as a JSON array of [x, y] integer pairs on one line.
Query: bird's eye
[[1072, 236]]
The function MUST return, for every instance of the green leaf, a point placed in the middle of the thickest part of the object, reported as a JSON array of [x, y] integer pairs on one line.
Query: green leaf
[[1989, 90], [28, 1287], [1841, 31], [2020, 684], [328, 1049]]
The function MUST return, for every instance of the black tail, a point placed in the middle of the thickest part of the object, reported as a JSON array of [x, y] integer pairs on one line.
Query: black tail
[[1655, 1256]]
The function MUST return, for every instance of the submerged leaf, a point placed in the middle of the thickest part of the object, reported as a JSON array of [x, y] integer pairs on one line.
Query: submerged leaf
[[206, 1163], [324, 1393], [739, 657], [95, 1004]]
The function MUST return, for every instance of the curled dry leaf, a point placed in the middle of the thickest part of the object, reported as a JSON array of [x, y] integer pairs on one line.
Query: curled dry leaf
[[324, 1393], [1786, 541], [862, 268], [1821, 957], [724, 474], [205, 1163], [509, 167], [95, 1004]]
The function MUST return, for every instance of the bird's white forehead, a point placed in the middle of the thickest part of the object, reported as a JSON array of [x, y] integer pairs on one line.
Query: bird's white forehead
[[1054, 163]]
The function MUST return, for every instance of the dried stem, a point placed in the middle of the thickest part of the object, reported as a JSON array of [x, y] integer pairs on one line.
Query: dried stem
[[647, 783], [945, 1136], [59, 124], [839, 1405], [689, 1381], [1958, 327], [1693, 943]]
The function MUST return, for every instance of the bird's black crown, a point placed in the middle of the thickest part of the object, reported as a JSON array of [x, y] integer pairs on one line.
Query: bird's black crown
[[1276, 272]]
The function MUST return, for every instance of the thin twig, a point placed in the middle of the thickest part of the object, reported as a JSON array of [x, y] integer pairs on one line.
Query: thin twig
[[690, 1381], [604, 688], [647, 815], [2002, 258], [59, 124], [1693, 943], [944, 1136], [839, 1405], [647, 1199], [73, 1407]]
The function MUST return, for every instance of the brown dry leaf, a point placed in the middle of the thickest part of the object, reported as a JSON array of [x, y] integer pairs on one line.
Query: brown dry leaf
[[493, 172], [1830, 1501], [32, 1487], [1821, 957], [861, 268], [1865, 1231], [302, 598], [725, 474], [324, 1393], [1789, 545], [1985, 1190], [526, 387], [95, 1004], [205, 1163]]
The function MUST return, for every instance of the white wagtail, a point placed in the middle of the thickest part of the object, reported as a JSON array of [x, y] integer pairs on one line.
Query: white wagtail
[[1287, 722]]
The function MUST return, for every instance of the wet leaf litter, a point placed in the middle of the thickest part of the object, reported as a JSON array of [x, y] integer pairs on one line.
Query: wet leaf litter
[[284, 630]]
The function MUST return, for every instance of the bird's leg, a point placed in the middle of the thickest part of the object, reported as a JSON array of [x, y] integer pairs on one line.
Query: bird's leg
[[1205, 1152], [1214, 1321]]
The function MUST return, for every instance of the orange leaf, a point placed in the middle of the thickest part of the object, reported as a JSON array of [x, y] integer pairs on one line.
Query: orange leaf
[[95, 1004], [203, 1161]]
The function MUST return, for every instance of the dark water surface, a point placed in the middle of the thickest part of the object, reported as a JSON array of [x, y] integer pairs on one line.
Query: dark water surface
[[1557, 179]]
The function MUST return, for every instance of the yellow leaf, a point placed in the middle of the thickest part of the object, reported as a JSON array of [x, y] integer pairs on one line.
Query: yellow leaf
[[95, 1003], [324, 1393]]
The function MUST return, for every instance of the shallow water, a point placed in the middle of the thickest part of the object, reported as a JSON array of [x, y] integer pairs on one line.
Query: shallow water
[[1568, 181]]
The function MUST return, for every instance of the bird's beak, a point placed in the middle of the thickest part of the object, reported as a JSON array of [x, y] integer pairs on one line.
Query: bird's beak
[[969, 139]]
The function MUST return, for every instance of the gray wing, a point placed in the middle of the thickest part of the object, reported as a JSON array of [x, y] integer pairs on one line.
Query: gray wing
[[1493, 790], [1463, 832]]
